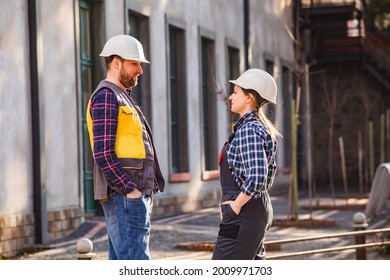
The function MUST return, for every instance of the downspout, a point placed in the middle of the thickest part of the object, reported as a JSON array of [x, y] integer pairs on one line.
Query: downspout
[[246, 34], [39, 201]]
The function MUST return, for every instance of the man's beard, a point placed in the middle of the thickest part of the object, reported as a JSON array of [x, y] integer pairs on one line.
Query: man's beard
[[127, 81]]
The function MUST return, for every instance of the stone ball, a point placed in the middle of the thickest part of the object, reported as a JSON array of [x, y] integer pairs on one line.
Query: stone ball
[[84, 246], [359, 218]]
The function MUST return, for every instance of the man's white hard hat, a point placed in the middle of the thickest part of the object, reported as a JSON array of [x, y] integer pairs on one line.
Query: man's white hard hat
[[125, 46], [260, 81]]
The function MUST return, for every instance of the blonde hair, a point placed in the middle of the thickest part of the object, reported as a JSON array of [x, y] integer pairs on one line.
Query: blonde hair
[[260, 102]]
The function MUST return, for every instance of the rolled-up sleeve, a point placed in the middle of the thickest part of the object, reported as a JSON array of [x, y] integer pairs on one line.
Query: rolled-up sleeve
[[253, 158]]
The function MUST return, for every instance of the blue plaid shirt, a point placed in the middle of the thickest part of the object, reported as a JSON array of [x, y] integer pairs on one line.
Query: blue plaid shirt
[[251, 155]]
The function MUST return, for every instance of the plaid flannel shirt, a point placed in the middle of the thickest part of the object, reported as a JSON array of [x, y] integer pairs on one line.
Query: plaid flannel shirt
[[251, 155], [104, 112]]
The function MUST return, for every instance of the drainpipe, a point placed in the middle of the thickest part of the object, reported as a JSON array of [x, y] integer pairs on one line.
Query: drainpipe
[[40, 213], [246, 33]]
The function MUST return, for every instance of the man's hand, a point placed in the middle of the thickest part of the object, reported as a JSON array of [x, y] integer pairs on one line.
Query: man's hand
[[134, 194]]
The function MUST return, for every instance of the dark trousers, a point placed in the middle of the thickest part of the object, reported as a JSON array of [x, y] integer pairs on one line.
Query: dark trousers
[[241, 237]]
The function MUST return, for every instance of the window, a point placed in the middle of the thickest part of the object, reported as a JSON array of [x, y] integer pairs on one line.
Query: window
[[209, 99], [138, 27], [179, 166], [286, 92], [270, 108], [233, 73]]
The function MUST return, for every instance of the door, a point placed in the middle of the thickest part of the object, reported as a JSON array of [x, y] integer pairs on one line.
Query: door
[[86, 79]]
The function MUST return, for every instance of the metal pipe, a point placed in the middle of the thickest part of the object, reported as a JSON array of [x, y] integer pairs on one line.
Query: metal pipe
[[38, 199], [329, 250], [246, 33], [354, 233]]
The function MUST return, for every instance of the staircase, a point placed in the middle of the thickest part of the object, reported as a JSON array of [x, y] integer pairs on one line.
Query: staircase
[[337, 36], [376, 58]]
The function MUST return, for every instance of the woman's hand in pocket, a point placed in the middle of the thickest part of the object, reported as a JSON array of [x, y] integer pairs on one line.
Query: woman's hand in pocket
[[238, 203], [235, 207]]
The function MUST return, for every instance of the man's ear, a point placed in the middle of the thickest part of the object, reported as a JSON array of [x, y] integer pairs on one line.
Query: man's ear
[[116, 62]]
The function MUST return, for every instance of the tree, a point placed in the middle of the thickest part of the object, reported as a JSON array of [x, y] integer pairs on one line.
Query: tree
[[376, 15], [332, 103]]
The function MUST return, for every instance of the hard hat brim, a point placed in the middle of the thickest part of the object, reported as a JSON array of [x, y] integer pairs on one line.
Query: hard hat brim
[[126, 58]]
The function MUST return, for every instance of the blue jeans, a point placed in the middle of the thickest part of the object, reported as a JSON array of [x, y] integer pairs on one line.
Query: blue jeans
[[128, 226]]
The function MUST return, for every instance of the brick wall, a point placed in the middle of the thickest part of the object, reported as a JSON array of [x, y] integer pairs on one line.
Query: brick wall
[[17, 232]]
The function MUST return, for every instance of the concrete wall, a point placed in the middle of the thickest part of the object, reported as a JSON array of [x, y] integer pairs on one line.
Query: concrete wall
[[58, 97], [15, 110]]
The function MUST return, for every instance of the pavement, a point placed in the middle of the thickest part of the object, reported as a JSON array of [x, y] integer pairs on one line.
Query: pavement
[[171, 236]]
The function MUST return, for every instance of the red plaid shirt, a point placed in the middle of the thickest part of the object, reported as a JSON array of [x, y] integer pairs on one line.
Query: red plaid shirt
[[104, 112]]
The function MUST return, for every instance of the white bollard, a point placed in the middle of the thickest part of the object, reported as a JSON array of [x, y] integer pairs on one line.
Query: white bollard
[[84, 248], [360, 224]]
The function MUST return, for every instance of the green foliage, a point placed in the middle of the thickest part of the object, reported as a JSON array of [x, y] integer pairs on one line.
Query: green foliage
[[379, 12]]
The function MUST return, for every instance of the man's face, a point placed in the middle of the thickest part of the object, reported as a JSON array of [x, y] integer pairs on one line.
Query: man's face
[[129, 72]]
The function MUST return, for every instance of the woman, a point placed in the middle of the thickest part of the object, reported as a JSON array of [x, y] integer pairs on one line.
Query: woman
[[247, 168]]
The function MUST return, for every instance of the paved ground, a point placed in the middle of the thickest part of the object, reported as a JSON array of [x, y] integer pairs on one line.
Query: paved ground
[[202, 226]]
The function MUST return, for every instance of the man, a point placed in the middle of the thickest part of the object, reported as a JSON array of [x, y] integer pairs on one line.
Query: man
[[126, 172]]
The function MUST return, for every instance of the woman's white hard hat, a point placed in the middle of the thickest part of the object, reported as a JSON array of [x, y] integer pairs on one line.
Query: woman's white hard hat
[[125, 46], [260, 81]]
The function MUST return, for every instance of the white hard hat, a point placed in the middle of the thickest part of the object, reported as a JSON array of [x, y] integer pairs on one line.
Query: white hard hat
[[124, 46], [260, 81]]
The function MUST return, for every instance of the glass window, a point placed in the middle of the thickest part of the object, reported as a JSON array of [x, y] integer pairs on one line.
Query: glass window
[[270, 108], [178, 101], [209, 98], [138, 27], [233, 73]]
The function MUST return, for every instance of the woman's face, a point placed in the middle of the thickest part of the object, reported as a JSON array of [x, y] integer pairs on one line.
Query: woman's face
[[240, 102]]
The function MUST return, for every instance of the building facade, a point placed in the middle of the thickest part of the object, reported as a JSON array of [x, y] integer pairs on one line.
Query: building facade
[[50, 64]]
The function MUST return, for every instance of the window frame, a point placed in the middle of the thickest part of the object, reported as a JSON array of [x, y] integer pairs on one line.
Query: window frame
[[208, 99], [177, 106]]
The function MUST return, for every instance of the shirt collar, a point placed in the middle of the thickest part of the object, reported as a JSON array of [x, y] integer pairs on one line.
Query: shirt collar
[[248, 116]]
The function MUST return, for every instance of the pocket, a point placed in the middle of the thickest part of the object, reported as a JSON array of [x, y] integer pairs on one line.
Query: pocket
[[139, 212], [135, 169], [131, 163], [110, 209], [229, 230], [129, 139], [229, 217], [230, 212]]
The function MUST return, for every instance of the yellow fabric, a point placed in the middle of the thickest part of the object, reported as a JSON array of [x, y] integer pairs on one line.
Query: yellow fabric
[[129, 141]]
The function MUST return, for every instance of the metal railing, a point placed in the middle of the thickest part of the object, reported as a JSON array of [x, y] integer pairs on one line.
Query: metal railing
[[360, 246]]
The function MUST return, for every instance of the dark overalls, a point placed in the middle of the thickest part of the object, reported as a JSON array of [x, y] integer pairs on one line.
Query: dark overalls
[[241, 237]]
